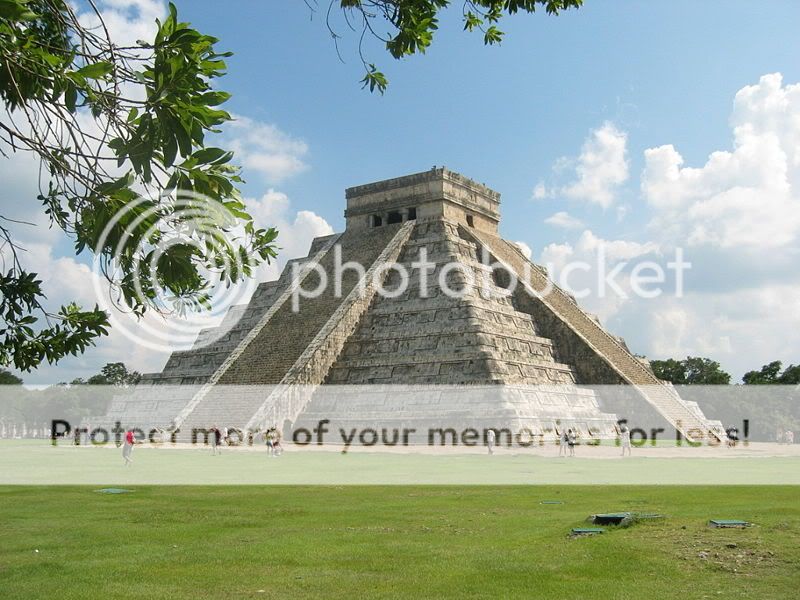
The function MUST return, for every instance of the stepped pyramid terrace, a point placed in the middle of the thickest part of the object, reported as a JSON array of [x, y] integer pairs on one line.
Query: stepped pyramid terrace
[[500, 344]]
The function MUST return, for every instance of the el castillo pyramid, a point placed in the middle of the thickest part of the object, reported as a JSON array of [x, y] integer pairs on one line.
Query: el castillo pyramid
[[517, 338]]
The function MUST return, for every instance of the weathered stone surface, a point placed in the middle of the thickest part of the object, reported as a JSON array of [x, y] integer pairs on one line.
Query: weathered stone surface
[[600, 358]]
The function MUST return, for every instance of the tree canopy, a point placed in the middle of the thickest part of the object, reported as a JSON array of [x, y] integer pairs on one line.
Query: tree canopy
[[704, 371], [121, 136], [413, 24], [111, 374], [693, 370], [8, 378], [771, 374]]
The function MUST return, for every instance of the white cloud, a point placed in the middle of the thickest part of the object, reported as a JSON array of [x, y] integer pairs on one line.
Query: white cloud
[[564, 220], [601, 167], [296, 230], [615, 249], [127, 21], [742, 331], [266, 149], [737, 215], [540, 191], [580, 267], [748, 197], [588, 245], [595, 174]]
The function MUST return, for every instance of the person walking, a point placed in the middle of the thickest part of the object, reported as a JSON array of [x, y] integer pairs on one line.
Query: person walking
[[127, 447], [216, 438], [625, 438], [562, 443], [571, 441], [277, 449], [270, 443], [490, 440]]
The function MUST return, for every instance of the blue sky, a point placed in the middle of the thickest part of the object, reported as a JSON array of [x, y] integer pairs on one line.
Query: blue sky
[[628, 77], [665, 71]]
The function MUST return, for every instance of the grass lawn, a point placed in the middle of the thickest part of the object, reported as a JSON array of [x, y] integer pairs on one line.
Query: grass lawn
[[418, 542], [27, 462]]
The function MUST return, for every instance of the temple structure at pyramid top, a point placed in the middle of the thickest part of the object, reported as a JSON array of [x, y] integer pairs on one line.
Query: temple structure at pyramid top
[[373, 325], [438, 194]]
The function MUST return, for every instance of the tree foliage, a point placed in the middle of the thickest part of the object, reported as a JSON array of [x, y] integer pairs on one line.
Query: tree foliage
[[695, 370], [8, 378], [112, 374], [771, 374], [413, 24], [691, 371], [120, 132]]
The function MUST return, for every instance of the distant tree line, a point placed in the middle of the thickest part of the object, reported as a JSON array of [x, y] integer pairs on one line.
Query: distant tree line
[[694, 370], [73, 401], [111, 374]]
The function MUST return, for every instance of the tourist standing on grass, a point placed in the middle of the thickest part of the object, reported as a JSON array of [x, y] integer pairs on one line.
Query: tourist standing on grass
[[269, 441], [625, 434], [731, 437], [127, 447], [571, 442], [490, 439], [562, 443], [216, 437], [277, 449]]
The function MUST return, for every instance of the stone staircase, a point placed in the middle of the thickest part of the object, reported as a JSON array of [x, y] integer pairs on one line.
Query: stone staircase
[[224, 407], [213, 345], [280, 344], [662, 397], [425, 336], [311, 368]]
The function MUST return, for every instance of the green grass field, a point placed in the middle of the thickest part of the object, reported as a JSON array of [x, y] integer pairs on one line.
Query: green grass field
[[398, 542], [30, 462]]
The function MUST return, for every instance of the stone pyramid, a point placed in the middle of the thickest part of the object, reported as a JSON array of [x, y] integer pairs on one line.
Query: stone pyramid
[[373, 327]]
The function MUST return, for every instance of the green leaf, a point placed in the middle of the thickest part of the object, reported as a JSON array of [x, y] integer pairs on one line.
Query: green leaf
[[211, 156], [375, 80], [96, 70], [170, 150], [16, 10], [214, 98], [184, 141], [71, 96], [492, 36]]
